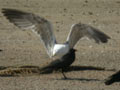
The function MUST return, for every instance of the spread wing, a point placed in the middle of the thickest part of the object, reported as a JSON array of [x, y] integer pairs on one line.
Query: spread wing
[[80, 30], [39, 25]]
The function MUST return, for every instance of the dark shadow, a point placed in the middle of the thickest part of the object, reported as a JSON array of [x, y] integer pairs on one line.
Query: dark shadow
[[8, 75], [79, 68], [3, 67], [30, 67], [1, 50], [79, 79], [113, 78], [9, 71], [26, 66], [83, 68]]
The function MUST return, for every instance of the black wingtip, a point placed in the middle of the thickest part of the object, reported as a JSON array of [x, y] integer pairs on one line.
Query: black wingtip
[[105, 38], [6, 10], [12, 14], [102, 37], [15, 12], [9, 10]]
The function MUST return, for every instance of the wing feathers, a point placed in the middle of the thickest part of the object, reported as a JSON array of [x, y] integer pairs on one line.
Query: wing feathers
[[39, 25], [101, 36], [80, 30], [19, 18]]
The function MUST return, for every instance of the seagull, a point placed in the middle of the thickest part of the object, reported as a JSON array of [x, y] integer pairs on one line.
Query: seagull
[[44, 29]]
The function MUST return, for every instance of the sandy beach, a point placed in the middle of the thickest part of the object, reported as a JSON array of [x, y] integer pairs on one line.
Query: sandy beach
[[24, 48]]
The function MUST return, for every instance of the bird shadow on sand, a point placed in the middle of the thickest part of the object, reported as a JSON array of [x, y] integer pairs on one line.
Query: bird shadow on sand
[[29, 70], [113, 78], [79, 79], [84, 68], [6, 71], [89, 68]]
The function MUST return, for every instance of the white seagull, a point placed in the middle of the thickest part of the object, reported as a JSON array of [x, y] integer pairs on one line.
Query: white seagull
[[43, 28]]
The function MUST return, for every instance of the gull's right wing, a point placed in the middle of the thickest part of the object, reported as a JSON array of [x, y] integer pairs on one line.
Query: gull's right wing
[[39, 25], [79, 31]]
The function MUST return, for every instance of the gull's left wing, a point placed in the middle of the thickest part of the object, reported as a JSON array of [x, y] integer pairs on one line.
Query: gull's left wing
[[80, 30], [39, 25]]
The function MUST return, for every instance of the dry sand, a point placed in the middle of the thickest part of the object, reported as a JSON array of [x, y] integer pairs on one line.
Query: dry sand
[[24, 47]]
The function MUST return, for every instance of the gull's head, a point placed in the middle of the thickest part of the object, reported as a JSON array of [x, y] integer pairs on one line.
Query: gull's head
[[60, 49]]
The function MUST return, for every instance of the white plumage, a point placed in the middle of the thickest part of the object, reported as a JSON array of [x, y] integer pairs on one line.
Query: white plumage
[[60, 49]]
